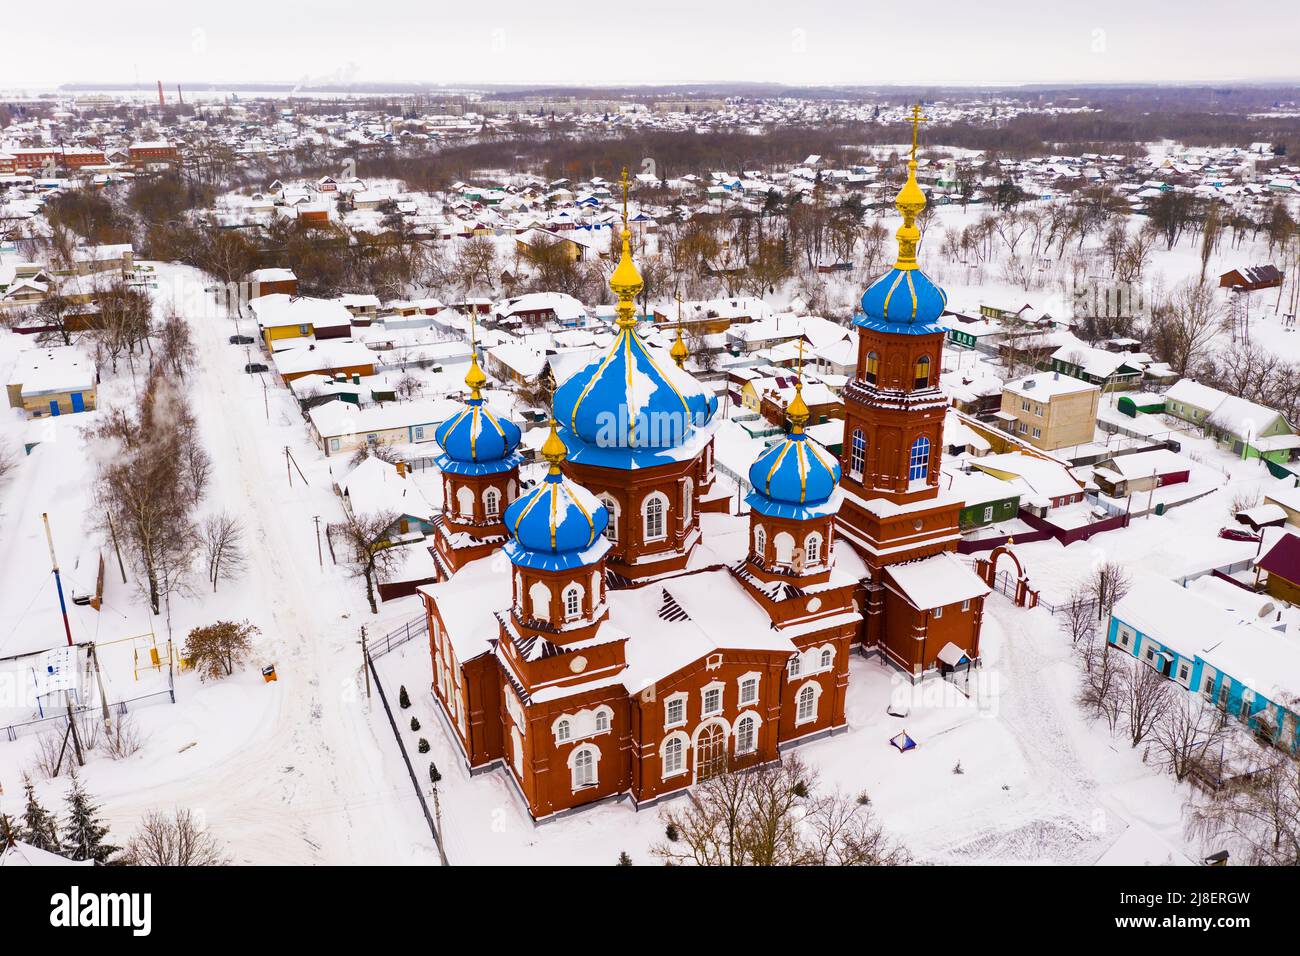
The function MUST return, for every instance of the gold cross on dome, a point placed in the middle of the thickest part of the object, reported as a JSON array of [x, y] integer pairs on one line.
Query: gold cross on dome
[[916, 121], [625, 190]]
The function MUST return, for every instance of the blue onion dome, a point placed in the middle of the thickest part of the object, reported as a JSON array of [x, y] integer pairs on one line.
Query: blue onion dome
[[558, 524], [476, 441], [795, 477], [635, 397], [904, 297], [627, 409]]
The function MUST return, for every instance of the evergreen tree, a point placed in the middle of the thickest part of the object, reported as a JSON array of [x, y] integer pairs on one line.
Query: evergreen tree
[[403, 698], [624, 859], [415, 723], [39, 828], [8, 831], [84, 835], [423, 746]]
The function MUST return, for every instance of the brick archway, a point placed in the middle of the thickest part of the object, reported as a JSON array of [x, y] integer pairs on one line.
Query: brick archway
[[987, 568]]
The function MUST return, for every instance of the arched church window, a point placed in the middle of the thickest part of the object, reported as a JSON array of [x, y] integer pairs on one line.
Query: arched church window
[[572, 601], [922, 372], [873, 367], [688, 500], [611, 528], [918, 465], [465, 501], [813, 549], [858, 453], [654, 517], [760, 541], [492, 503]]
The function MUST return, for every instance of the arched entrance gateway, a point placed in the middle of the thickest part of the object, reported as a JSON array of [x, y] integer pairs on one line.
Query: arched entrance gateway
[[1018, 587], [710, 752]]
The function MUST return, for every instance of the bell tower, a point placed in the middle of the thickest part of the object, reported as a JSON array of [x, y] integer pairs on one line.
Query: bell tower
[[894, 509]]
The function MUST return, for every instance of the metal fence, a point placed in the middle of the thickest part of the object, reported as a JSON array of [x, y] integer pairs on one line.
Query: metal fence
[[415, 627], [91, 711], [406, 758]]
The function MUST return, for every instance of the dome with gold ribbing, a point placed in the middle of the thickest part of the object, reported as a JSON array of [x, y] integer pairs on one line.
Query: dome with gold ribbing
[[558, 524], [636, 406], [905, 301], [796, 477], [476, 440]]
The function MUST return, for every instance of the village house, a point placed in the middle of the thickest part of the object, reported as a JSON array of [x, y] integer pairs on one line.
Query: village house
[[1277, 569], [1230, 657], [1050, 410], [1044, 483], [1251, 278], [1122, 475], [1250, 429], [340, 428], [59, 380], [272, 282], [285, 321], [332, 358], [1105, 369]]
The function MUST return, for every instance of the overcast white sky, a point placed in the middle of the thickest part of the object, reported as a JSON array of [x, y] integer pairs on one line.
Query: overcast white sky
[[660, 41]]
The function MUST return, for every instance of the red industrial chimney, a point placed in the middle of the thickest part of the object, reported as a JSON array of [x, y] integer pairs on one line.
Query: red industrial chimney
[[161, 101]]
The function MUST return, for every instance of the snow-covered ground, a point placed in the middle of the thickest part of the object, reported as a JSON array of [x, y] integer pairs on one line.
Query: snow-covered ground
[[302, 770]]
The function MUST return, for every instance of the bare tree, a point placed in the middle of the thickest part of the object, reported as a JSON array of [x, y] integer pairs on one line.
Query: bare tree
[[1146, 695], [1080, 615], [175, 839], [1258, 815], [223, 547], [407, 387], [1184, 326], [1100, 690], [176, 348], [1187, 732], [371, 557], [772, 815], [1107, 586]]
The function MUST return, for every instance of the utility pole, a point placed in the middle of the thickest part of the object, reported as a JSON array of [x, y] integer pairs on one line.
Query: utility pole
[[320, 557], [116, 548], [365, 660], [58, 581]]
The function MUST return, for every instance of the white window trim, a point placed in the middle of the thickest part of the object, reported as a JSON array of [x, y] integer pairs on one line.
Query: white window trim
[[757, 678], [671, 698], [595, 767], [735, 731], [816, 707], [685, 741], [645, 516], [574, 588], [720, 687]]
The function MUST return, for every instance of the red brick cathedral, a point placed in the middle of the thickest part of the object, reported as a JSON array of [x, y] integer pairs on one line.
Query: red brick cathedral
[[588, 638]]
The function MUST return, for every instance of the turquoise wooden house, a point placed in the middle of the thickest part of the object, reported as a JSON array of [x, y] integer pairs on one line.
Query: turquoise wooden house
[[1235, 662]]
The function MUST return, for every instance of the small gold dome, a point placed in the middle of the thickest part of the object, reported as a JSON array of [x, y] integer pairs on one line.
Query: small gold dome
[[553, 449], [797, 411], [475, 378]]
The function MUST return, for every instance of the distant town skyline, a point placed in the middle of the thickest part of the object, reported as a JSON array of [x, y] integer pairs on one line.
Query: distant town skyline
[[815, 42]]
